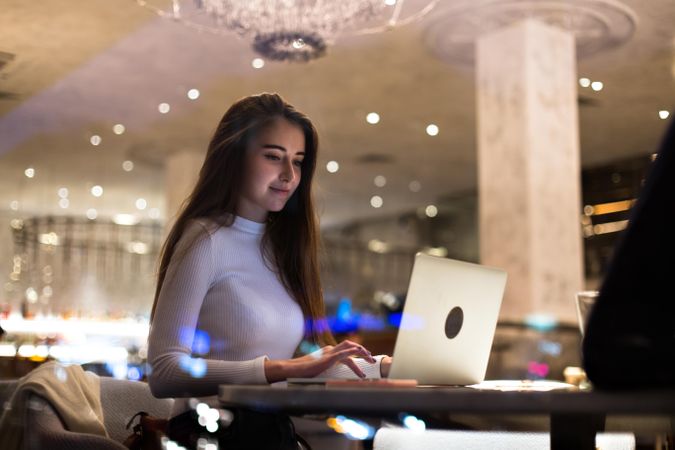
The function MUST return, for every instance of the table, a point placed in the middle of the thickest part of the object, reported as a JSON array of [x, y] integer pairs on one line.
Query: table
[[575, 416]]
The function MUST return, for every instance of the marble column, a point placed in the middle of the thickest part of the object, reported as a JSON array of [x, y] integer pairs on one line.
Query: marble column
[[182, 171], [529, 169]]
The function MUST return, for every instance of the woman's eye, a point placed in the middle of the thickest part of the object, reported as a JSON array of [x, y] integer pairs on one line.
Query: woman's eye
[[272, 157], [298, 163]]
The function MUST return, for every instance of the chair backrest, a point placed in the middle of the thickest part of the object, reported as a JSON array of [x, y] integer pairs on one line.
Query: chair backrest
[[121, 399], [44, 429], [7, 388]]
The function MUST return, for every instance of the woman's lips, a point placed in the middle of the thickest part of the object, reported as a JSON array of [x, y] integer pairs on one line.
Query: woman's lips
[[280, 191]]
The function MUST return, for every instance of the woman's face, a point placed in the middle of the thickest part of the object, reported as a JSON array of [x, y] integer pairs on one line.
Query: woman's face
[[271, 169]]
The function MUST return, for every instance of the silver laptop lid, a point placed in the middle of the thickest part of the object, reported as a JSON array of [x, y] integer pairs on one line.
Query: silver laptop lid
[[448, 322]]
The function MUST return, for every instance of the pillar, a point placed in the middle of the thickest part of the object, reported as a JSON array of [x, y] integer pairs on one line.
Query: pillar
[[529, 168]]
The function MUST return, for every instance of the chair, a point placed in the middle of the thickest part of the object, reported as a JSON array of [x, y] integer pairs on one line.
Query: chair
[[6, 390], [120, 400]]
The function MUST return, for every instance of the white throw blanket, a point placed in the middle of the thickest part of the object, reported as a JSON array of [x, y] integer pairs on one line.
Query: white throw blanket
[[74, 394]]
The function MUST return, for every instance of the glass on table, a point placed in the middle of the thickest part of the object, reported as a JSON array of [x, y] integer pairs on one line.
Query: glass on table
[[585, 302]]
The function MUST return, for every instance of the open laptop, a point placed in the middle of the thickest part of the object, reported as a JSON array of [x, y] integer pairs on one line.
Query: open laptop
[[448, 322]]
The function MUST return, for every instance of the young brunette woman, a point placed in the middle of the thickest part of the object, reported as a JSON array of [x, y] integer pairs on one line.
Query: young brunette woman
[[238, 284]]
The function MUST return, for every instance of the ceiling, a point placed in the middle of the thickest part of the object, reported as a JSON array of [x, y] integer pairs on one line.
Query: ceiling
[[81, 66]]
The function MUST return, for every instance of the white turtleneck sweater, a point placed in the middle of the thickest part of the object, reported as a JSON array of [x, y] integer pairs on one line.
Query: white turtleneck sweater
[[220, 313]]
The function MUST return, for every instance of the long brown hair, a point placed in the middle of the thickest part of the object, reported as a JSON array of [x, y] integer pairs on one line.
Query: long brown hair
[[291, 238]]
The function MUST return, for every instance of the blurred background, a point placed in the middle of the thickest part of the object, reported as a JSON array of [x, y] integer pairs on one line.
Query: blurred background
[[106, 108]]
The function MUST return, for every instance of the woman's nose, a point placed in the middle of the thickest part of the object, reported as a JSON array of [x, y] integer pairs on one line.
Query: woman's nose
[[287, 173]]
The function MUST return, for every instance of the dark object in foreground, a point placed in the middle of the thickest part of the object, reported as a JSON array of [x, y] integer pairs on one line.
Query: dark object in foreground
[[630, 339]]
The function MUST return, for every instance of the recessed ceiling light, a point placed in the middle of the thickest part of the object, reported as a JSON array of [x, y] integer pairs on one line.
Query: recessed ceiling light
[[258, 63], [436, 251], [432, 130], [584, 82], [378, 246], [597, 85], [119, 128], [63, 192], [431, 211], [376, 201], [140, 248], [164, 108], [95, 140], [663, 114], [92, 214], [30, 172], [14, 205], [332, 166], [373, 118], [616, 178], [50, 238], [380, 181], [125, 219], [64, 203], [141, 204], [128, 166], [415, 186], [193, 94], [31, 293], [97, 191]]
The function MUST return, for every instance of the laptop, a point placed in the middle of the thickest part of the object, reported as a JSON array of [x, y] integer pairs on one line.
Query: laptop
[[447, 327], [448, 323]]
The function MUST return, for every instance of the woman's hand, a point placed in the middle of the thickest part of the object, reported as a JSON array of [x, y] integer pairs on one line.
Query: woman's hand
[[311, 365], [385, 365]]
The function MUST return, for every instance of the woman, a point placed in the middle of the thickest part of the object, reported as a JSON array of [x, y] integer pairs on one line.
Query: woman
[[238, 283]]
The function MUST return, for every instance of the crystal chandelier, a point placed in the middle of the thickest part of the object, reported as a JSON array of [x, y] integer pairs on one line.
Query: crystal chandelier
[[292, 30]]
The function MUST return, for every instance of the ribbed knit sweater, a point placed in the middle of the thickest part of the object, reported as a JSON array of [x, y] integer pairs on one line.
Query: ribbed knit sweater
[[221, 312]]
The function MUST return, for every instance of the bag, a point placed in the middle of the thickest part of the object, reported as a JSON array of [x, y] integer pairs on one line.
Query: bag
[[147, 433], [247, 430]]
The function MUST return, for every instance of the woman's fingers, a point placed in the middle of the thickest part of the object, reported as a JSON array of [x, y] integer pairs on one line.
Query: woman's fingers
[[359, 350], [309, 367], [320, 360], [355, 368], [339, 356], [344, 356], [368, 355], [313, 364]]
